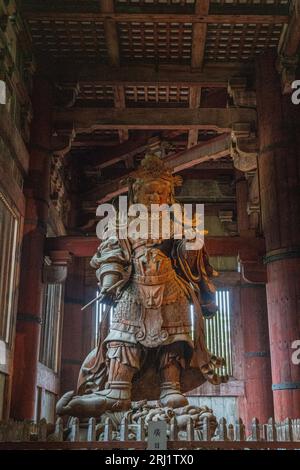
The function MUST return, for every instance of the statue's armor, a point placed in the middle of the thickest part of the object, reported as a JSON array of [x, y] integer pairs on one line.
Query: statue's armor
[[153, 310]]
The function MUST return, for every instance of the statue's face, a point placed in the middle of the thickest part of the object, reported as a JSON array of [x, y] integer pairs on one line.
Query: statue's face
[[154, 192]]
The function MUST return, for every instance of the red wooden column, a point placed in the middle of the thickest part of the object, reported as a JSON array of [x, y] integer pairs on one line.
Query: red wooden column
[[279, 174], [75, 346], [258, 400], [30, 291], [254, 352]]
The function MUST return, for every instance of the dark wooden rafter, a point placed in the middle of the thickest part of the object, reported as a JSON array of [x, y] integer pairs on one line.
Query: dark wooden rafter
[[158, 17], [122, 152], [89, 119], [213, 75]]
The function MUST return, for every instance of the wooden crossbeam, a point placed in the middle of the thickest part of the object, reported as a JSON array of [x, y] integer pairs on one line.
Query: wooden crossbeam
[[213, 75], [213, 149], [89, 119], [252, 248], [122, 152], [157, 17]]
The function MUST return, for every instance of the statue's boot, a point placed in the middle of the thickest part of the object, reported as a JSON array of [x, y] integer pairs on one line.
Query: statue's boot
[[114, 398], [170, 394]]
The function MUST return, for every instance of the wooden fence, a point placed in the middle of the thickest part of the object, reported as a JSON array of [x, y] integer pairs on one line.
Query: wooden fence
[[29, 435]]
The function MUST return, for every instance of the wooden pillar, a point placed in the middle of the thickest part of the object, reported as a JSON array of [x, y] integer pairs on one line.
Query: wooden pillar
[[258, 400], [255, 354], [36, 191], [279, 175], [74, 343]]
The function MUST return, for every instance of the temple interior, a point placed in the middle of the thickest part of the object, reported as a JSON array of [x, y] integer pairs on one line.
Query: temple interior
[[88, 88]]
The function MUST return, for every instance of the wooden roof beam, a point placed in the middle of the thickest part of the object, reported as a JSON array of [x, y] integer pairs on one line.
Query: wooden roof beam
[[157, 17], [213, 75], [122, 152], [90, 119]]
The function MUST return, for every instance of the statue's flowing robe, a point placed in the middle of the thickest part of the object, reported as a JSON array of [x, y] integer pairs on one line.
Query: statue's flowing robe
[[190, 284]]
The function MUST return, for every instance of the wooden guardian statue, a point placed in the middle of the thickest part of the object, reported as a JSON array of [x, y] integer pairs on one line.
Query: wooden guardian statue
[[148, 352]]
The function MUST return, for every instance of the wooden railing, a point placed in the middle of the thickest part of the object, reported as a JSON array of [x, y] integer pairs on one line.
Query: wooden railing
[[29, 435]]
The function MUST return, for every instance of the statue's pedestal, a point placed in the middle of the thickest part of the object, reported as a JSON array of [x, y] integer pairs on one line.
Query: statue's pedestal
[[187, 423]]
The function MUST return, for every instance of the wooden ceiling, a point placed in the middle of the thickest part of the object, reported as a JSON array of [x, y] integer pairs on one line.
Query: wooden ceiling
[[149, 71]]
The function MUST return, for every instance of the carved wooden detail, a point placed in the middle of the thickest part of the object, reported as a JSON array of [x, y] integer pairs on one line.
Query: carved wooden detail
[[61, 141], [55, 268], [18, 78], [59, 179], [66, 94], [244, 147], [288, 50]]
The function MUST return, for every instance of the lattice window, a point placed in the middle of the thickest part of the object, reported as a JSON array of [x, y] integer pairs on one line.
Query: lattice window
[[218, 330], [51, 325], [8, 266]]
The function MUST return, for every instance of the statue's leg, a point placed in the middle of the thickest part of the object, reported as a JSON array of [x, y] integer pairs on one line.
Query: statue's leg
[[171, 363], [123, 360]]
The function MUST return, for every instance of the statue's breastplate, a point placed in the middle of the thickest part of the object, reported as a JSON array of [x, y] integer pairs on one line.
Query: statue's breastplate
[[151, 266]]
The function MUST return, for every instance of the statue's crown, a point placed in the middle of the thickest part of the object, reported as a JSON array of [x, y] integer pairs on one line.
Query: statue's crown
[[152, 167]]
